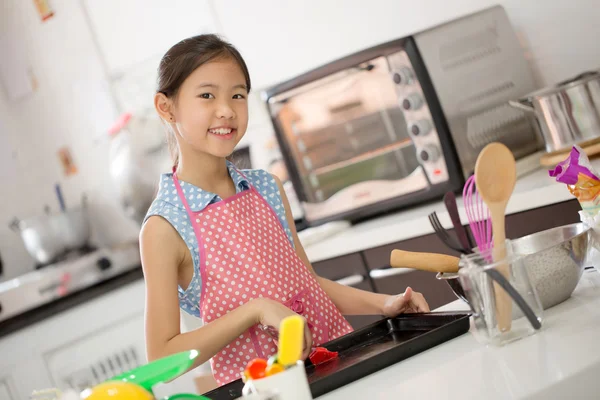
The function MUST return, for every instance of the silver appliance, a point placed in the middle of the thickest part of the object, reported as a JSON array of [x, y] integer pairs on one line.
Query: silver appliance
[[403, 122], [74, 273], [567, 113]]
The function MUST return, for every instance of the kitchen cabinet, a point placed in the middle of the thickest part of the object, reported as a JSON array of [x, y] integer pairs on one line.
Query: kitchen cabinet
[[438, 293], [25, 377], [85, 344], [540, 219], [90, 360], [82, 346], [349, 270], [395, 280]]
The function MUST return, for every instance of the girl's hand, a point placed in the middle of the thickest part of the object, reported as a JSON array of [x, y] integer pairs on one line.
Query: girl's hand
[[408, 302], [270, 313]]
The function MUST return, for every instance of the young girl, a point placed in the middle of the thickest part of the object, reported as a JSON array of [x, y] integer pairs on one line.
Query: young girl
[[220, 243]]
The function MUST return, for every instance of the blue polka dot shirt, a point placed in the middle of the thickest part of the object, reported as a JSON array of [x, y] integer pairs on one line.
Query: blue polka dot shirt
[[169, 206]]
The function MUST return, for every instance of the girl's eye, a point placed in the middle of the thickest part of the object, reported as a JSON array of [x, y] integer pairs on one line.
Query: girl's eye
[[206, 96], [239, 96]]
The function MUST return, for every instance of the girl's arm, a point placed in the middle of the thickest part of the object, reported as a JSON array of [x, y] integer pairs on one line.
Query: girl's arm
[[163, 252], [352, 301]]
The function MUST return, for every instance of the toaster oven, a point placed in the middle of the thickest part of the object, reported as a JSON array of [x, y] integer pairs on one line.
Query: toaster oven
[[402, 123]]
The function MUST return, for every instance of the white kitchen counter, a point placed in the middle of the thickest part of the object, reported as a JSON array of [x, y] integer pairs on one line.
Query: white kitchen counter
[[532, 191], [560, 362]]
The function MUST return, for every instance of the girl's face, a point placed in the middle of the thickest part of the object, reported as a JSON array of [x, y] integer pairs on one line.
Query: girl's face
[[211, 109]]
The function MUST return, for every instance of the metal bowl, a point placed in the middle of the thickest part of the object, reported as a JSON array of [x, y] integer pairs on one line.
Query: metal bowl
[[554, 258], [454, 283]]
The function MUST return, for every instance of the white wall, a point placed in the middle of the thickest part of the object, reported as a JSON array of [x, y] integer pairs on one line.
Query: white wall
[[278, 39], [561, 34], [71, 107]]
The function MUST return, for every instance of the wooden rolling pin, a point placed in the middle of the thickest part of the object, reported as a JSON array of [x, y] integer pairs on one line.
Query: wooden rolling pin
[[431, 262]]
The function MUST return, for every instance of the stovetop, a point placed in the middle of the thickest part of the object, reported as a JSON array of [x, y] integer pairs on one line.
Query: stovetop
[[76, 272], [69, 256]]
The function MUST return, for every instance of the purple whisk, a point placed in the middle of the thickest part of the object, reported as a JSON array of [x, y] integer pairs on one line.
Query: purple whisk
[[479, 217]]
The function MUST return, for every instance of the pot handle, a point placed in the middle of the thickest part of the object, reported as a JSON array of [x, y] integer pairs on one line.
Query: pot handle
[[521, 105]]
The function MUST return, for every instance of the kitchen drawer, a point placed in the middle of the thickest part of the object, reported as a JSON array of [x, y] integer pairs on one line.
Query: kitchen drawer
[[436, 292], [112, 350], [379, 257], [348, 270], [394, 281], [517, 225], [539, 219]]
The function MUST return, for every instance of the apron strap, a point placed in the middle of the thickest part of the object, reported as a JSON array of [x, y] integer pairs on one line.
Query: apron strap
[[245, 177], [199, 240], [191, 215], [181, 194], [187, 206]]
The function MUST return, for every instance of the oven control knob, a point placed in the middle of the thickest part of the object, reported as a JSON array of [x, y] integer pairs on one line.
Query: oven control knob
[[429, 154], [421, 128], [403, 76], [412, 102], [103, 264]]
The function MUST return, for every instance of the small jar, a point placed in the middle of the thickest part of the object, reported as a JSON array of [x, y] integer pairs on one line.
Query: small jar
[[499, 316]]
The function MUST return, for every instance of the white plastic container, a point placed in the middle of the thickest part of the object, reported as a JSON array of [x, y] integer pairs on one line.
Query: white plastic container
[[291, 384]]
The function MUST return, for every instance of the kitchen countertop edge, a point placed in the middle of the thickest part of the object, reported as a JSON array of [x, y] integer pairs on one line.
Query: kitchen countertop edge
[[410, 223], [77, 298]]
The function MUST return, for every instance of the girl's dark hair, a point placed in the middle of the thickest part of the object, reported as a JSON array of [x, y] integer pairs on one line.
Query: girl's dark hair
[[183, 58]]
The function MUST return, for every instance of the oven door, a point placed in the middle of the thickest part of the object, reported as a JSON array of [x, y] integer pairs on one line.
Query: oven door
[[346, 138]]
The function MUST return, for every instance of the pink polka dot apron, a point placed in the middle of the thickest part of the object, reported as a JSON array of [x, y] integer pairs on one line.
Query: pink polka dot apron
[[245, 254]]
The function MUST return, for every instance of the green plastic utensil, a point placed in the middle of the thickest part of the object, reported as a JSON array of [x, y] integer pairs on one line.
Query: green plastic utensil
[[162, 370]]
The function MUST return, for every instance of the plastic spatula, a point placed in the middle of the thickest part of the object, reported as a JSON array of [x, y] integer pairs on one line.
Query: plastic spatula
[[162, 370]]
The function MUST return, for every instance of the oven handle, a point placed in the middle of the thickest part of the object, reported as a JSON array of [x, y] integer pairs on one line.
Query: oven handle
[[351, 280], [381, 273]]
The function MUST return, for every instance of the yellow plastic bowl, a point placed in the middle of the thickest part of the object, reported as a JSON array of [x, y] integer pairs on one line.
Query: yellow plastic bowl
[[115, 390]]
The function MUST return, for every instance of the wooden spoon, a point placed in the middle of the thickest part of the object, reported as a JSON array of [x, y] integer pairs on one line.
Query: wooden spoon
[[495, 177], [431, 262]]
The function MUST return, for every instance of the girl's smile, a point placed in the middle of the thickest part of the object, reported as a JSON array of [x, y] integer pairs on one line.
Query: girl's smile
[[223, 132]]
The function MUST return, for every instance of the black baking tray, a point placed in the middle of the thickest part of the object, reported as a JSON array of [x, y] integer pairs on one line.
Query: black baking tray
[[371, 349]]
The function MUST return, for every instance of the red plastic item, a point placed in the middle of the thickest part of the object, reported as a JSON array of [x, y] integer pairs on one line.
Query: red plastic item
[[256, 368], [321, 355]]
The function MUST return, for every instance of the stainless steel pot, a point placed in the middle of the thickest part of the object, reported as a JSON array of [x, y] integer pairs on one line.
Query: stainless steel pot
[[568, 113], [46, 237], [39, 235], [74, 226]]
